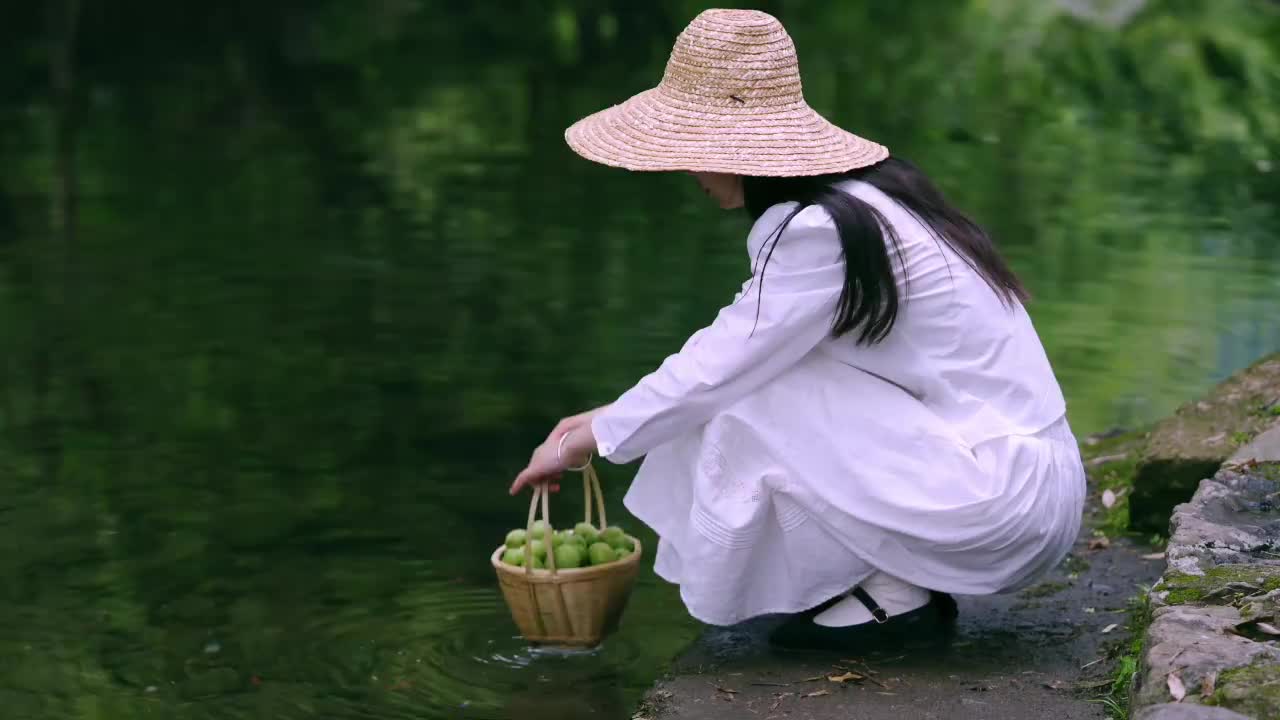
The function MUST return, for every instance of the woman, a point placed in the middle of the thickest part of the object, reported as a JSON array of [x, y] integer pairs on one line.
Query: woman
[[872, 423]]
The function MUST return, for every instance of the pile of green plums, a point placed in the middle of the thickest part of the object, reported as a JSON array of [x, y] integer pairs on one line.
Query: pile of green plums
[[583, 546]]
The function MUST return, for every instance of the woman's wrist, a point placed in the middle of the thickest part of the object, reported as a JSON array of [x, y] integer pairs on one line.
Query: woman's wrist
[[576, 447]]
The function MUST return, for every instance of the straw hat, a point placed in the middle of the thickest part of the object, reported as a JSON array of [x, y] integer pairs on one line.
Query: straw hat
[[730, 101]]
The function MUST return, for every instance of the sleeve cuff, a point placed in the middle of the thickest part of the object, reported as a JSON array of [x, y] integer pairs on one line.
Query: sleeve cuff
[[606, 439]]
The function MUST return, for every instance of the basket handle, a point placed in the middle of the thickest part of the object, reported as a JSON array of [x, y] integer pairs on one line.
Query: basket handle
[[590, 489], [590, 482], [590, 492], [540, 492]]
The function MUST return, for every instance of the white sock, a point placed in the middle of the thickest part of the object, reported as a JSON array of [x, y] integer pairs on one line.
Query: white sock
[[894, 595]]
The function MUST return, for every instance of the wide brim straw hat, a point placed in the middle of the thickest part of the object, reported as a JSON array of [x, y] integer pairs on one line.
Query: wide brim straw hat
[[730, 101]]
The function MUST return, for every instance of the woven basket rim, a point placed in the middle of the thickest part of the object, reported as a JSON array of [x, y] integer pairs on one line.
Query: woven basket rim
[[575, 574]]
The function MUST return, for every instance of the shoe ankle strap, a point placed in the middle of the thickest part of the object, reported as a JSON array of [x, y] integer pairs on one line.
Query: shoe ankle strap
[[877, 612]]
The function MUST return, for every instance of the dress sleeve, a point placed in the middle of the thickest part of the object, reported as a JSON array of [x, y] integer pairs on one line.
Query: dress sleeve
[[779, 317]]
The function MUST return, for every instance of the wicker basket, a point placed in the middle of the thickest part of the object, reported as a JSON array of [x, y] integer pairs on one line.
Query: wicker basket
[[575, 607]]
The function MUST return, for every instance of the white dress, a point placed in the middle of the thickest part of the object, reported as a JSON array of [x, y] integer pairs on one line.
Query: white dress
[[784, 465]]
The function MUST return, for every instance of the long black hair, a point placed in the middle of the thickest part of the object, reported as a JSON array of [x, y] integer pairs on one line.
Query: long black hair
[[869, 301]]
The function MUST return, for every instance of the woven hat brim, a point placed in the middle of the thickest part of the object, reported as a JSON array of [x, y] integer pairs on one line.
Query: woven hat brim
[[656, 133]]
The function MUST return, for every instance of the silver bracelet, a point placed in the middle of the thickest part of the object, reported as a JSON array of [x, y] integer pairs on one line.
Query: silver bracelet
[[560, 454]]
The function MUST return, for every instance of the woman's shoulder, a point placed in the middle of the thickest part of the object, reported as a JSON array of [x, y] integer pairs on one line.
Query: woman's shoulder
[[812, 225], [891, 209]]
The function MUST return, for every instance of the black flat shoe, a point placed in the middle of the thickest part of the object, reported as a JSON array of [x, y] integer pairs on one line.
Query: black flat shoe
[[931, 624]]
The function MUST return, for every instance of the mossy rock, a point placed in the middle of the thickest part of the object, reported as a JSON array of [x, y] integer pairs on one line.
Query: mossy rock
[[1190, 445], [1253, 690], [1214, 586]]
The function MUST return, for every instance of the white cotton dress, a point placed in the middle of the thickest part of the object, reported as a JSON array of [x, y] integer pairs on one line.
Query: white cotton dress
[[785, 465]]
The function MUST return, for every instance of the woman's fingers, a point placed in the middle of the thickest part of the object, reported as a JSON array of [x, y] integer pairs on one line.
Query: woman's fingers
[[528, 477]]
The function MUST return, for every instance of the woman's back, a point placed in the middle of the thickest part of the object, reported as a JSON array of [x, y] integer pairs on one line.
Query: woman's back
[[960, 348]]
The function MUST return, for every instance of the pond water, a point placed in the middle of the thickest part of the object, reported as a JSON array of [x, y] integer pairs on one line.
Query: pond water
[[289, 295]]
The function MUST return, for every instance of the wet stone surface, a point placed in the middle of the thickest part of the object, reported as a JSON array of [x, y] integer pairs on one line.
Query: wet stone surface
[[1192, 444]]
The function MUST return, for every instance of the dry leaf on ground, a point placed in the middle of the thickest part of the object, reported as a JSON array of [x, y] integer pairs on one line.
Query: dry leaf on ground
[[846, 677], [1100, 543], [1176, 688], [1108, 499], [1209, 684], [1109, 628], [817, 693]]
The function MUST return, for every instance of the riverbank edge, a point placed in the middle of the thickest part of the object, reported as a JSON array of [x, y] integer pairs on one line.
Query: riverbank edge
[[1212, 647]]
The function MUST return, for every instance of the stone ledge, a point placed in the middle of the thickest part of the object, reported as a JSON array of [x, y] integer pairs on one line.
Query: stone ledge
[[1217, 607], [1196, 643], [1191, 444]]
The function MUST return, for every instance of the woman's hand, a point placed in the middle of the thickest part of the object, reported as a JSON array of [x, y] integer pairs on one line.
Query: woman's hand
[[569, 424], [551, 458]]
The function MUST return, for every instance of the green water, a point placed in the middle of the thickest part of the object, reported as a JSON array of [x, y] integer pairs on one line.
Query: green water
[[289, 291]]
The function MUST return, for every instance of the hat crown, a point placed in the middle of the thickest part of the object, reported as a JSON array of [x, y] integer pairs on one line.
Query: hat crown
[[735, 60]]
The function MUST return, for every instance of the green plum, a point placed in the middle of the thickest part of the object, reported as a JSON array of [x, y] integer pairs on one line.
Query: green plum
[[586, 531], [568, 556], [600, 553], [539, 527], [614, 536], [538, 548], [622, 552], [514, 556], [573, 538], [539, 563], [516, 538], [557, 538]]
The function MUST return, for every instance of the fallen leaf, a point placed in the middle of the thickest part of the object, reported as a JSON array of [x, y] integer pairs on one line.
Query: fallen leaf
[[726, 690], [1091, 610], [1267, 628], [1208, 685], [816, 693], [1109, 628], [846, 677], [1153, 556], [1108, 499], [811, 679], [1100, 543], [1176, 688]]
